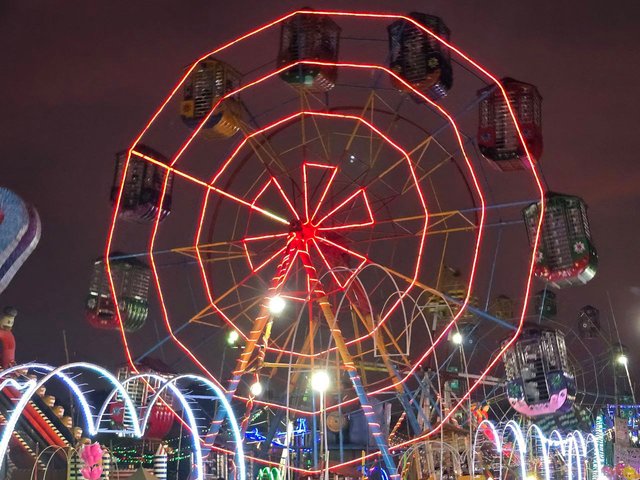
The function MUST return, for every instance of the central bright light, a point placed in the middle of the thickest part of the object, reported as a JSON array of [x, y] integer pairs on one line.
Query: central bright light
[[256, 389], [277, 305], [456, 338], [232, 337], [320, 381], [622, 359]]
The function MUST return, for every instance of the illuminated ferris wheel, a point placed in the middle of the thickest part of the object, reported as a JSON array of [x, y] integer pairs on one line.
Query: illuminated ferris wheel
[[337, 228]]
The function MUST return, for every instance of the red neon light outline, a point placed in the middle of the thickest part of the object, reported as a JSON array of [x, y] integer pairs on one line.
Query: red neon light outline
[[393, 145], [265, 237], [248, 255], [305, 187], [279, 122], [344, 249], [284, 196], [334, 171], [328, 183], [268, 260], [443, 112], [360, 191], [229, 196], [352, 14], [327, 264], [352, 117]]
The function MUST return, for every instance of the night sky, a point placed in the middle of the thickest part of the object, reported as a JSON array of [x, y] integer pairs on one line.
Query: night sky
[[81, 78]]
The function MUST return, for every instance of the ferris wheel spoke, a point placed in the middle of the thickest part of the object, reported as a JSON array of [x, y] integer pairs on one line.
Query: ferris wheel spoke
[[345, 250], [327, 186], [308, 141], [427, 175], [305, 103], [327, 264], [378, 337], [357, 125], [242, 304], [305, 187], [285, 197], [251, 206], [395, 118], [215, 248], [261, 143], [213, 189], [258, 140], [358, 193], [256, 269], [421, 173]]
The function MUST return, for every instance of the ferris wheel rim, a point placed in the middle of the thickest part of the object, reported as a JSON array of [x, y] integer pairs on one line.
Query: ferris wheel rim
[[111, 233]]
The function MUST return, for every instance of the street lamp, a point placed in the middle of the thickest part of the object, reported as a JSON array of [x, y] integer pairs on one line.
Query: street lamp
[[457, 338], [233, 337], [320, 382], [622, 359]]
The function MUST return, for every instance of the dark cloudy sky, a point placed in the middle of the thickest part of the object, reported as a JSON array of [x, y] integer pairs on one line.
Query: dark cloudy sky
[[80, 78]]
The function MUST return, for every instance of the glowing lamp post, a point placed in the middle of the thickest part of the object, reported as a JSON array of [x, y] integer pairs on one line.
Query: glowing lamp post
[[276, 305], [232, 337], [621, 379], [320, 383], [622, 359], [456, 338]]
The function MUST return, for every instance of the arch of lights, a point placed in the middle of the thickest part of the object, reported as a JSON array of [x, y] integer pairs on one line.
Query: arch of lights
[[577, 451], [29, 387]]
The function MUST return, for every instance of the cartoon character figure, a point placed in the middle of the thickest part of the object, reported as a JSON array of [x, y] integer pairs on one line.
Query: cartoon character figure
[[91, 455], [481, 413], [7, 341]]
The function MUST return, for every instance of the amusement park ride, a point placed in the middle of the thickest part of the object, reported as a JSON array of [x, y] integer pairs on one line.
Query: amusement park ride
[[354, 246]]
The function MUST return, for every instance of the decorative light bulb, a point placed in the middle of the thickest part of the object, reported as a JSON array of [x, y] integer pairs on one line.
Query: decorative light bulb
[[277, 305], [320, 381], [456, 338], [232, 337], [622, 359], [256, 389]]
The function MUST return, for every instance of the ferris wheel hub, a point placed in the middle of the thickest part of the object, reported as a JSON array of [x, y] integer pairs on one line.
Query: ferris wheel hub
[[303, 230]]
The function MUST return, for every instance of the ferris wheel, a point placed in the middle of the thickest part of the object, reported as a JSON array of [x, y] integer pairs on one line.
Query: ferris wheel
[[338, 226]]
